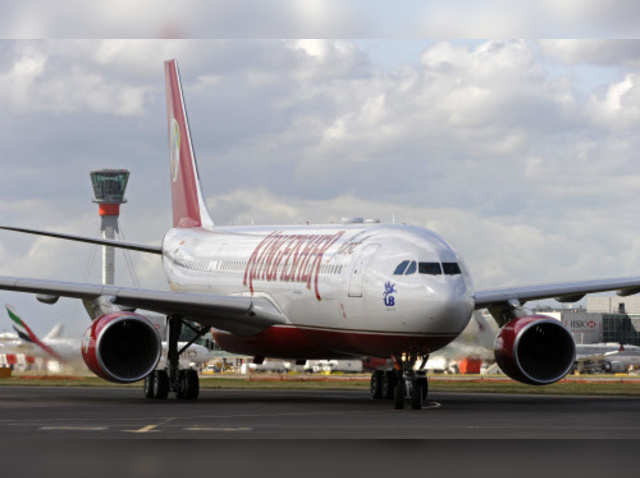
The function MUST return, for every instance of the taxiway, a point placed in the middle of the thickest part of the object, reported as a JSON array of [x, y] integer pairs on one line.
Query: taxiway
[[79, 412]]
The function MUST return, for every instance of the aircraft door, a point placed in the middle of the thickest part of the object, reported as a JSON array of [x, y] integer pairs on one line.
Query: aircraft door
[[358, 268]]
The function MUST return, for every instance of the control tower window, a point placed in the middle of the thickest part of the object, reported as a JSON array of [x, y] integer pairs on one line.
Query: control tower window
[[401, 267], [432, 268], [451, 268], [411, 269]]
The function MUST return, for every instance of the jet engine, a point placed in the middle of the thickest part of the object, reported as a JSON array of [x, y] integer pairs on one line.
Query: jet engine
[[535, 349], [121, 347]]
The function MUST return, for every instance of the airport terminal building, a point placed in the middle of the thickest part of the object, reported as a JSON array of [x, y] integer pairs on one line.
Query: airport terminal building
[[606, 319]]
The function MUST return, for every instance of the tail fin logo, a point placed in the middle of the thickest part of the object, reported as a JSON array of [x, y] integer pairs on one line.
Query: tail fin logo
[[175, 149]]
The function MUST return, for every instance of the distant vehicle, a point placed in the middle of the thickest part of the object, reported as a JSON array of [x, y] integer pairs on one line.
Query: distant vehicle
[[609, 357], [267, 365], [329, 366]]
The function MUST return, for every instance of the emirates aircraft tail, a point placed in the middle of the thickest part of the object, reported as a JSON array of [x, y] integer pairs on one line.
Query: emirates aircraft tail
[[25, 332], [189, 207]]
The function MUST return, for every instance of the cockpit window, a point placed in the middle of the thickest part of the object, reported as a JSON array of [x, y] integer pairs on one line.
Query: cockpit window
[[432, 268], [451, 268], [411, 269], [401, 267]]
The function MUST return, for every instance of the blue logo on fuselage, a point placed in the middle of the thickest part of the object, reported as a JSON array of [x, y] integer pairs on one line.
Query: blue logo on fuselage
[[389, 290]]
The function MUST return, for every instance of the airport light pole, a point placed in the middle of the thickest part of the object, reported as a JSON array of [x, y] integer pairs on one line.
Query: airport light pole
[[109, 186]]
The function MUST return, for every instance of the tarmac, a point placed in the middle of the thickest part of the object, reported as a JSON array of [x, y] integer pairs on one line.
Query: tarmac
[[54, 413]]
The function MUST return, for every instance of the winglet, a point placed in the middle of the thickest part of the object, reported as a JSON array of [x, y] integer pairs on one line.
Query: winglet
[[25, 332]]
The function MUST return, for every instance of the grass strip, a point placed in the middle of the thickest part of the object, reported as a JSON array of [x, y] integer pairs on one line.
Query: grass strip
[[561, 388]]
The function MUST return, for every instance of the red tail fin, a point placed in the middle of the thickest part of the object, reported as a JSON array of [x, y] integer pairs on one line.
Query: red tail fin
[[189, 208]]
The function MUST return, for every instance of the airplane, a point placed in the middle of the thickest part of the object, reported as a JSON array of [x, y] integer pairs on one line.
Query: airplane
[[305, 292], [68, 350], [608, 357], [12, 347], [51, 346]]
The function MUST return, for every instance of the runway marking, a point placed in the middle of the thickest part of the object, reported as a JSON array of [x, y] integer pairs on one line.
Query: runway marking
[[70, 428], [144, 429], [150, 428], [219, 429], [432, 406]]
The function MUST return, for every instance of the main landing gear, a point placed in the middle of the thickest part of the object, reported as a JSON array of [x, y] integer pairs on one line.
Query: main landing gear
[[185, 383], [402, 384]]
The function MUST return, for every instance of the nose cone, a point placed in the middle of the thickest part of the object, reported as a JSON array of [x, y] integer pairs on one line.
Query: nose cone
[[448, 306]]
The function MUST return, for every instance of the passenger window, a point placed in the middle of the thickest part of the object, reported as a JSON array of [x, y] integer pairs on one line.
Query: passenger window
[[411, 269], [432, 268], [451, 268], [401, 267]]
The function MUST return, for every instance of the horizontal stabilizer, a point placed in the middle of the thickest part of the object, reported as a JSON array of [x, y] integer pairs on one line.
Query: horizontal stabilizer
[[91, 240], [55, 333]]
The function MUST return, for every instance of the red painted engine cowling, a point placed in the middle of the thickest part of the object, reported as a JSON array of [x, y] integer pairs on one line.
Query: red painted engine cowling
[[536, 349], [121, 347]]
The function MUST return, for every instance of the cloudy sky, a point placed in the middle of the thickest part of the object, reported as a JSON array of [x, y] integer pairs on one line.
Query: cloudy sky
[[521, 153]]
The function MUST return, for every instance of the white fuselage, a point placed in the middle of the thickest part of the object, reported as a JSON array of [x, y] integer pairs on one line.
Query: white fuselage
[[336, 280]]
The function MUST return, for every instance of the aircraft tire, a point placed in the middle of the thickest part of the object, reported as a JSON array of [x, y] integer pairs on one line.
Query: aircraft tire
[[377, 377], [417, 393], [189, 385], [425, 388], [422, 377], [194, 384], [161, 385], [399, 395], [149, 385], [389, 380]]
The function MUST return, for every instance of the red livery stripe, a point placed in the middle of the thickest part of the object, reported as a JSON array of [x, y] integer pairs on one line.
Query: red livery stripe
[[307, 343]]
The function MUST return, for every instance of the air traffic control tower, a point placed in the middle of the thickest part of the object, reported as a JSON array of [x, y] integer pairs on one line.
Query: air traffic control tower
[[109, 186]]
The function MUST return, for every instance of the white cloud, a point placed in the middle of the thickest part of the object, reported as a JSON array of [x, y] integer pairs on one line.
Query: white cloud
[[593, 51], [486, 142], [620, 106], [33, 83]]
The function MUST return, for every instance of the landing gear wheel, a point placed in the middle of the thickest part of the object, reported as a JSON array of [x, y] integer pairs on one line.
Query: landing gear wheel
[[161, 385], [399, 395], [375, 390], [149, 385], [389, 380], [399, 392], [194, 384], [189, 385], [417, 393], [425, 388]]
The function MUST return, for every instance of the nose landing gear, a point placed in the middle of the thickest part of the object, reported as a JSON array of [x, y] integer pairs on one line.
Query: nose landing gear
[[403, 384]]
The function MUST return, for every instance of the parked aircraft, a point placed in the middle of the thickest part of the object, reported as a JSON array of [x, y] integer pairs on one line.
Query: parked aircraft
[[606, 357], [305, 292]]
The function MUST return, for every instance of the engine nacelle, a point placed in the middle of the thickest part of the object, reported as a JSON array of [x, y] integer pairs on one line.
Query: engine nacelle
[[536, 349], [121, 347]]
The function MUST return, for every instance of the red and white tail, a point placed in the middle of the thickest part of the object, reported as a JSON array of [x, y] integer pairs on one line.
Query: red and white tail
[[189, 207]]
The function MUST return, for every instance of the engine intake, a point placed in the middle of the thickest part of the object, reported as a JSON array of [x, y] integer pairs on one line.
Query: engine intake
[[121, 347], [536, 349]]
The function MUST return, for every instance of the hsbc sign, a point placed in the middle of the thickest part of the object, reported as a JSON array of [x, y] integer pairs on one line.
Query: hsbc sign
[[583, 324]]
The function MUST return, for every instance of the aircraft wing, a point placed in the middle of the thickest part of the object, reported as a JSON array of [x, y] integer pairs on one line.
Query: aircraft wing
[[500, 300], [91, 240], [239, 315], [563, 292]]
